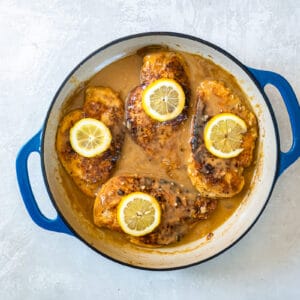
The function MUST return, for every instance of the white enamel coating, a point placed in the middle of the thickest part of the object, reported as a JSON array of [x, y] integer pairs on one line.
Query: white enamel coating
[[201, 249]]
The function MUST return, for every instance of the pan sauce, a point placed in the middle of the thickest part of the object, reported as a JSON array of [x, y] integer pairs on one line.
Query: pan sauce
[[122, 76]]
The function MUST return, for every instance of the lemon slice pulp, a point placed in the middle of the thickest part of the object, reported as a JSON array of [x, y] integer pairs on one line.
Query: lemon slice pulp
[[163, 99], [90, 137], [223, 135], [138, 214]]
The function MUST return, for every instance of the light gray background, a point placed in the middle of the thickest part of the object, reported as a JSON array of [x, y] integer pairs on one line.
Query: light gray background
[[40, 42]]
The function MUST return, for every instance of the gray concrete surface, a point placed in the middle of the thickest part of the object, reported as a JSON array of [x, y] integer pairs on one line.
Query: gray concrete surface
[[40, 42]]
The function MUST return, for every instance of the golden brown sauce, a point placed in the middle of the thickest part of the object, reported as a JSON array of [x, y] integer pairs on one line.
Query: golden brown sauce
[[122, 76]]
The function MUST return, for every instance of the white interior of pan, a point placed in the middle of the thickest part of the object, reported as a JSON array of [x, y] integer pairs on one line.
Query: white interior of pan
[[198, 250]]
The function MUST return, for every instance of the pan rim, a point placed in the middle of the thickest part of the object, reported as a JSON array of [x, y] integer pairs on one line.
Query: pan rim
[[173, 34]]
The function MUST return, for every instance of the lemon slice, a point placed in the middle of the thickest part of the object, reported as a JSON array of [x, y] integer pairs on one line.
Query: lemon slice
[[90, 137], [223, 135], [138, 214], [163, 99]]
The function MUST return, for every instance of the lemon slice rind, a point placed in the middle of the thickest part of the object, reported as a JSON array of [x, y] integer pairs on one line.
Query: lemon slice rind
[[208, 132], [90, 137], [174, 97], [124, 218]]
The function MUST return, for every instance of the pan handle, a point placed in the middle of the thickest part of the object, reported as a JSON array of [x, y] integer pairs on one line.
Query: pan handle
[[34, 145], [293, 108]]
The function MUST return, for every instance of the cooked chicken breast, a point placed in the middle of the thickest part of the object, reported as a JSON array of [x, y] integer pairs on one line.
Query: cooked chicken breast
[[151, 135], [154, 136], [180, 208], [213, 176], [169, 65], [90, 173]]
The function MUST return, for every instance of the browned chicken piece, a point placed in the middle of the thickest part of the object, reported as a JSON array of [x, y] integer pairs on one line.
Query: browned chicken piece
[[169, 65], [180, 208], [89, 173], [154, 136], [213, 176]]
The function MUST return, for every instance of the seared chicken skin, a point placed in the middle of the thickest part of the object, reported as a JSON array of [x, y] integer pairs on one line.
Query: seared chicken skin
[[180, 208], [154, 136], [213, 176], [90, 173]]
